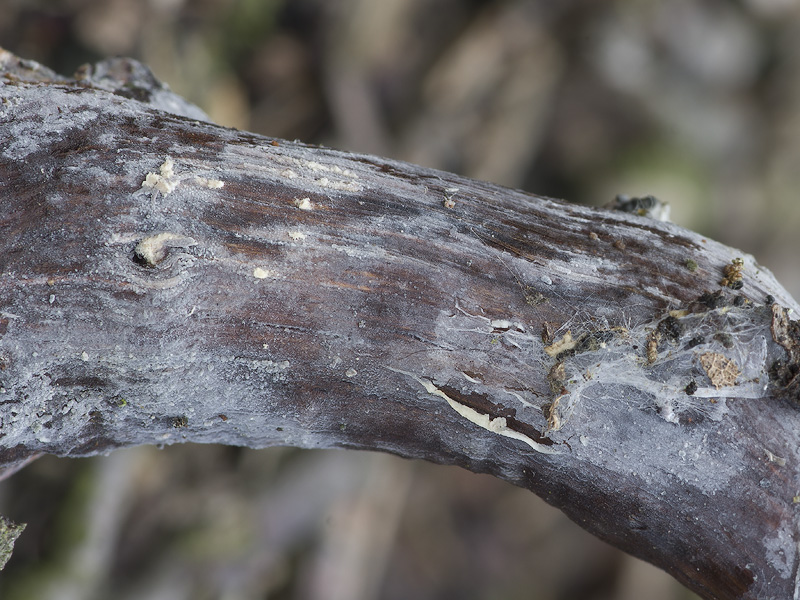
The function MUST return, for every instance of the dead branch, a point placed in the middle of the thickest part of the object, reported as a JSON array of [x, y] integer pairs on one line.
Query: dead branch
[[163, 279]]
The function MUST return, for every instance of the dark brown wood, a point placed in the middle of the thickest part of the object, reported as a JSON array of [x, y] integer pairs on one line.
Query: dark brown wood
[[163, 279]]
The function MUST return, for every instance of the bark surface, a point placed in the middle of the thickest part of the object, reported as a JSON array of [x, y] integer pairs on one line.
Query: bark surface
[[164, 279]]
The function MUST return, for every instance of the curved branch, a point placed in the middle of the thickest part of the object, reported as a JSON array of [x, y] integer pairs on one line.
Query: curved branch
[[163, 279]]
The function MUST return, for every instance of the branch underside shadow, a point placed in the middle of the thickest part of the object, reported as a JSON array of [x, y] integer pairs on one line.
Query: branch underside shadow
[[163, 279]]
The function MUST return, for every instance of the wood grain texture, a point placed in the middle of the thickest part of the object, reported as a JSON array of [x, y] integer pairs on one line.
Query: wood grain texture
[[163, 279]]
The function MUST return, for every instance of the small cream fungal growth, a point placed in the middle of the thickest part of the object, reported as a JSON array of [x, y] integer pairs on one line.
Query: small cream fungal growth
[[351, 372], [472, 379], [303, 203], [152, 249], [163, 180], [212, 184], [84, 356], [297, 236], [167, 168], [260, 273], [449, 200]]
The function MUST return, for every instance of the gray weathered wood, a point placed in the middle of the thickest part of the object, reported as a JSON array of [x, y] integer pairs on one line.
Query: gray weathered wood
[[163, 279]]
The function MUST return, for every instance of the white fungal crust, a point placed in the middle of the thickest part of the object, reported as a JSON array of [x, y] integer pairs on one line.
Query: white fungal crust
[[496, 425], [152, 249], [303, 203], [212, 184], [166, 181]]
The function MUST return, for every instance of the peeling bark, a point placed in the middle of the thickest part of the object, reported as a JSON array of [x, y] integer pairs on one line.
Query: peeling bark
[[163, 280]]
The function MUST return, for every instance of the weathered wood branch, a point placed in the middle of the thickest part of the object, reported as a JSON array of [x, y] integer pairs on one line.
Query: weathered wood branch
[[163, 279]]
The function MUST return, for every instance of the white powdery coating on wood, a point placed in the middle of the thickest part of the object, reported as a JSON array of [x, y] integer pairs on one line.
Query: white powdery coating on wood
[[283, 163], [781, 549], [361, 252]]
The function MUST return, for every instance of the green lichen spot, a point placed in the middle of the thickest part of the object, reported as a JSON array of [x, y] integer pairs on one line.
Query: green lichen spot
[[691, 264]]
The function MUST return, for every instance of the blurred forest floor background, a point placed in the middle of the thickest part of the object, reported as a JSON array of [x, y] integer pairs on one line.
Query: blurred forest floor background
[[694, 101]]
